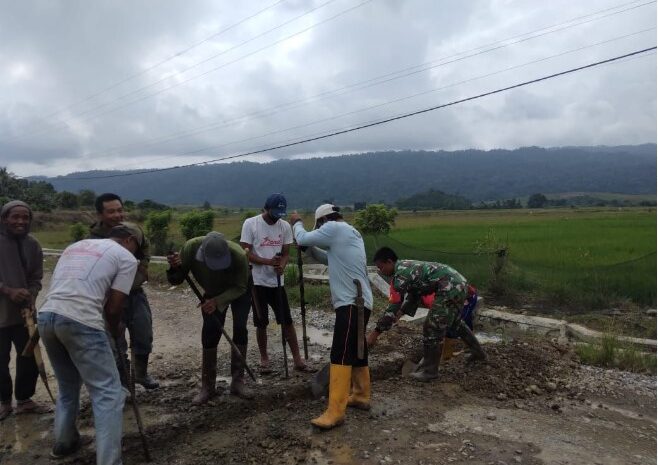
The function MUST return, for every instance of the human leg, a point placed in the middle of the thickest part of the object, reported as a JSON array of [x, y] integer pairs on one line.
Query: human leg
[[6, 383], [261, 321], [240, 311], [141, 338], [69, 383], [90, 352], [210, 335]]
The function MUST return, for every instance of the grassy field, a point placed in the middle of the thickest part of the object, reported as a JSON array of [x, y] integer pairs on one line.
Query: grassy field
[[579, 259]]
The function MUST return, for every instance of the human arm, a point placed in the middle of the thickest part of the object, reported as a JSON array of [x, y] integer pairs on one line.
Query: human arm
[[113, 310], [180, 263], [318, 255], [144, 257], [239, 280], [322, 237], [35, 275], [119, 289], [15, 294]]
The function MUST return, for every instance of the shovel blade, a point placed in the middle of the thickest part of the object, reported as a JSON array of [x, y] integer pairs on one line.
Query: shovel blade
[[320, 382], [409, 367]]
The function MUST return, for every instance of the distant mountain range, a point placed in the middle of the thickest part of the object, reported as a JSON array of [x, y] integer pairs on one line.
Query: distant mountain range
[[389, 176]]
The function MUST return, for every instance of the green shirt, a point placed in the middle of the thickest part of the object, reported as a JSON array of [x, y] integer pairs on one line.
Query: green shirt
[[224, 285]]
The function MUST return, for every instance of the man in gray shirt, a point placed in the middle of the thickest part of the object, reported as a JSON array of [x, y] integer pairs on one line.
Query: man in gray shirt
[[21, 270]]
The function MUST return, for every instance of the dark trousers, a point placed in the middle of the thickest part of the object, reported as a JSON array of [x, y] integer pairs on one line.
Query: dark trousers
[[139, 323], [344, 345], [213, 323], [26, 367]]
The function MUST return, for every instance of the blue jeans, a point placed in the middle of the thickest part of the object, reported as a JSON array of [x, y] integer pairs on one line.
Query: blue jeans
[[79, 353]]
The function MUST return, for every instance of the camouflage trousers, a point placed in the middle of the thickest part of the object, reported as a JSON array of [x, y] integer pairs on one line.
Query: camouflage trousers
[[444, 315]]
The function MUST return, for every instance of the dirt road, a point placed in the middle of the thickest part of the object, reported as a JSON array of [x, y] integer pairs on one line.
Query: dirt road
[[532, 403]]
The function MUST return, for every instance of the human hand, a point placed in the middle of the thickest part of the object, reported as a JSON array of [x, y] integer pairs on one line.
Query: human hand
[[18, 294], [294, 217], [371, 339], [208, 306], [174, 260]]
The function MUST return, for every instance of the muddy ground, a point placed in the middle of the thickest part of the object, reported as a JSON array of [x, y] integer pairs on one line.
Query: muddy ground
[[531, 403]]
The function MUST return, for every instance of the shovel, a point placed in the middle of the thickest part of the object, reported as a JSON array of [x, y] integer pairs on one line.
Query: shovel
[[320, 382]]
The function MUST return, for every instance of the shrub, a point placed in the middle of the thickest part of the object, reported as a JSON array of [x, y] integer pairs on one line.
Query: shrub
[[77, 231], [196, 223], [157, 231]]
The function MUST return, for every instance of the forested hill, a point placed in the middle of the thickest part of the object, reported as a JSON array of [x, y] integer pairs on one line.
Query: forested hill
[[388, 176]]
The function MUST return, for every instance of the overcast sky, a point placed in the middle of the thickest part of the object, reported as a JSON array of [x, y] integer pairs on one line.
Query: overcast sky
[[123, 85]]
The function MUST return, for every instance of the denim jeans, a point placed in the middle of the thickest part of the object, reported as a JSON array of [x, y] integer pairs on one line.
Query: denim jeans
[[81, 354]]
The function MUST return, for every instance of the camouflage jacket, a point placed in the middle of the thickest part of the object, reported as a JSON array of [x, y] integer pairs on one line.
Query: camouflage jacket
[[421, 281]]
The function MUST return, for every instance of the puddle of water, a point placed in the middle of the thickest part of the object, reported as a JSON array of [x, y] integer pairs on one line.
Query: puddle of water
[[343, 455], [321, 337], [488, 338]]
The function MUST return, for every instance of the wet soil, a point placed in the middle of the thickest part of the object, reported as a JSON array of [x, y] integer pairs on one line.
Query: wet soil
[[531, 403]]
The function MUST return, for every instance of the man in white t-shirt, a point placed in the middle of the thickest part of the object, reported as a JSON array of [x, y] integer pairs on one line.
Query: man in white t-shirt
[[267, 239], [87, 292]]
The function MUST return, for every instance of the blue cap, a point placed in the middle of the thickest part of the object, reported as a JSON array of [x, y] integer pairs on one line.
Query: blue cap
[[276, 204]]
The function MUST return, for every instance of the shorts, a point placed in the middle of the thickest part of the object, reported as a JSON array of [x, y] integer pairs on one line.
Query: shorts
[[267, 297]]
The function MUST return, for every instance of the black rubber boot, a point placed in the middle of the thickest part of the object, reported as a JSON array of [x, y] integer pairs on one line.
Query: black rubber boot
[[141, 373], [238, 387], [429, 368], [208, 377], [466, 335]]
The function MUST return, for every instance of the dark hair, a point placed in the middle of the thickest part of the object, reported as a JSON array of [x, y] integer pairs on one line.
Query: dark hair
[[383, 254], [120, 231], [107, 197]]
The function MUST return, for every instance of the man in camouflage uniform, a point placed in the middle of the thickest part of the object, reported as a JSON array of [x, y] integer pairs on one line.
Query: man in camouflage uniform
[[413, 282]]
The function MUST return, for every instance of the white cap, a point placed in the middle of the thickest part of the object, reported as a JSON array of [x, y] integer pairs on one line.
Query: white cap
[[324, 210]]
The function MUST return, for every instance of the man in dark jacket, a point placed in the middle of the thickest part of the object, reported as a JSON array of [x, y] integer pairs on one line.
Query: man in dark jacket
[[137, 312], [21, 270]]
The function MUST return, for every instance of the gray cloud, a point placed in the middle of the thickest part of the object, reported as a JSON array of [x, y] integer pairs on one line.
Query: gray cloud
[[54, 54]]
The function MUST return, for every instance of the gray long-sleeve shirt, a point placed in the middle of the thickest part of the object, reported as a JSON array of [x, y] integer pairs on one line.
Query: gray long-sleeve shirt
[[14, 274], [343, 250]]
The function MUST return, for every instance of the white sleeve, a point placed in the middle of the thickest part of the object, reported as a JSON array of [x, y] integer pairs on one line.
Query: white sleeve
[[322, 237], [126, 269], [287, 233], [247, 235]]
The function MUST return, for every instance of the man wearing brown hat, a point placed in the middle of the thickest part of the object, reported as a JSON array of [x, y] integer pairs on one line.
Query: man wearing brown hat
[[137, 316], [222, 270], [21, 270]]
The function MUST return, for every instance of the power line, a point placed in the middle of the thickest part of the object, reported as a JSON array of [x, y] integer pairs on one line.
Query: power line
[[388, 77], [380, 122]]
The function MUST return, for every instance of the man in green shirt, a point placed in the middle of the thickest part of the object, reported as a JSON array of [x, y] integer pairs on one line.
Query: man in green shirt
[[413, 280], [222, 270]]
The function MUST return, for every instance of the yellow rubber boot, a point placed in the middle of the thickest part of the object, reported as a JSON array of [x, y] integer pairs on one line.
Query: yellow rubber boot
[[360, 397], [340, 378]]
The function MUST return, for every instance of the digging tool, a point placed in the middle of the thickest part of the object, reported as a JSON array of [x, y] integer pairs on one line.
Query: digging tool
[[279, 298], [35, 349], [300, 266], [254, 297], [133, 399], [235, 349]]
